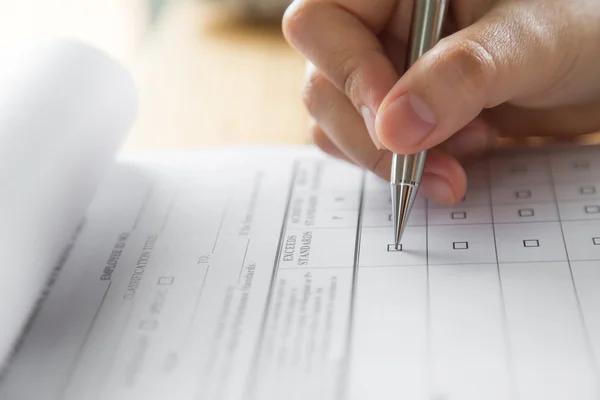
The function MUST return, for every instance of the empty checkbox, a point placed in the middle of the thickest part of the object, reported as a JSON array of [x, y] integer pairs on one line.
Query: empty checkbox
[[531, 243], [596, 241], [592, 209], [523, 194], [458, 215], [587, 190], [460, 245], [166, 280], [526, 212], [393, 247]]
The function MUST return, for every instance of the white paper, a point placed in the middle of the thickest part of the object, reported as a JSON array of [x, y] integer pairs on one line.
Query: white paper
[[64, 109], [265, 274]]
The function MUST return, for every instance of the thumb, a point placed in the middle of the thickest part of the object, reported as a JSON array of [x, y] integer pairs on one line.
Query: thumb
[[509, 54]]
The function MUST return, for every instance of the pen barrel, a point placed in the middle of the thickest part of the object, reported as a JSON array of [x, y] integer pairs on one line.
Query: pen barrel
[[407, 169], [426, 30]]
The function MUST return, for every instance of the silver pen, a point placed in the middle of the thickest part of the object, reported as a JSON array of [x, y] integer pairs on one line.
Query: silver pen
[[426, 29]]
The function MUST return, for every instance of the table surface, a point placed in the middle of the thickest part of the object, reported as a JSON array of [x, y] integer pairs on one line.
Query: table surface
[[203, 77], [208, 80]]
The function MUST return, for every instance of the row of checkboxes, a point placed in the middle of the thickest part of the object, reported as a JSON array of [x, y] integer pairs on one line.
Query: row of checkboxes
[[523, 212], [458, 215], [527, 194], [520, 169], [583, 190], [465, 245]]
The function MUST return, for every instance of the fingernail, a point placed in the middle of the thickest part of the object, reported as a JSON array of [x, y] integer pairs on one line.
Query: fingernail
[[412, 116], [437, 188], [369, 118]]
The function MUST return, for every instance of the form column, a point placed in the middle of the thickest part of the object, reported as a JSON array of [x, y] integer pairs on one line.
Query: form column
[[304, 342], [576, 176], [468, 348], [389, 339], [547, 340]]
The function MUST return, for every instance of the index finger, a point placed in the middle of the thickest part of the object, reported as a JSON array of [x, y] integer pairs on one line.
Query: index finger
[[340, 38]]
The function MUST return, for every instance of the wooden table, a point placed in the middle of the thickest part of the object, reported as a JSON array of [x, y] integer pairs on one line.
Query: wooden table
[[203, 79], [206, 80]]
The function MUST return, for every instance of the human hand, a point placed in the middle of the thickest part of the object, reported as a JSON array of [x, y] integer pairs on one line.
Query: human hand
[[507, 68]]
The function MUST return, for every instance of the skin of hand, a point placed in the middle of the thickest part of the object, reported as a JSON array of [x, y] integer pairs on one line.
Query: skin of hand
[[504, 68]]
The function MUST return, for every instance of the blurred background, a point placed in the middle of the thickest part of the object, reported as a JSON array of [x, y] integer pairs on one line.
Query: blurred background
[[209, 72]]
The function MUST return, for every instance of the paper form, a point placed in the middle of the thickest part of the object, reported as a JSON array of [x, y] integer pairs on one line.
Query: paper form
[[64, 109], [265, 274]]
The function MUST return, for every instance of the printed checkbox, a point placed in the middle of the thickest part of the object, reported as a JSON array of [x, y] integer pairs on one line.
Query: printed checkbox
[[596, 241], [393, 247], [458, 215], [581, 165], [523, 194], [531, 243], [587, 190], [460, 245], [166, 280], [148, 325], [592, 209], [526, 212]]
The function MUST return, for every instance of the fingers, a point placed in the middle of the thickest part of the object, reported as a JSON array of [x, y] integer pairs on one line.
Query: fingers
[[444, 179], [510, 54], [476, 138], [340, 131], [516, 122], [340, 38], [342, 124], [320, 139]]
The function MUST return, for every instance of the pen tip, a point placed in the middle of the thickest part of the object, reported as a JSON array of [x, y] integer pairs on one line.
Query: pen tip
[[403, 197]]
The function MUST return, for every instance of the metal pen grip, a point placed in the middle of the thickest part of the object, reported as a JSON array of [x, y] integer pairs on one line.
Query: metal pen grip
[[407, 169], [426, 29], [425, 32]]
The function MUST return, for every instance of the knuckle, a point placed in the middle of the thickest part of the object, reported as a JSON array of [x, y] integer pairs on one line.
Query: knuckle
[[470, 63], [299, 24], [315, 87], [351, 77]]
